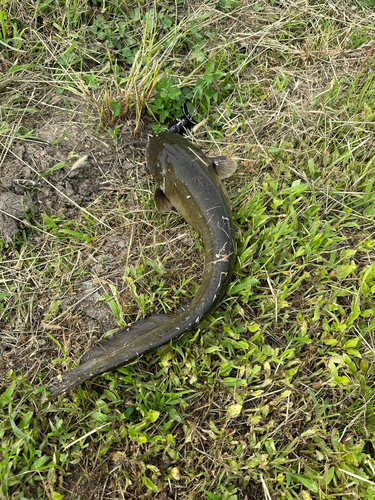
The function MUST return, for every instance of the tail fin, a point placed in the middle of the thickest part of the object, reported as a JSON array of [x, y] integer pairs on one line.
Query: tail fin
[[120, 348]]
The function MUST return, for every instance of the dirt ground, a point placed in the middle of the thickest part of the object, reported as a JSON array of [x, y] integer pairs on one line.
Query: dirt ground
[[104, 166], [96, 171]]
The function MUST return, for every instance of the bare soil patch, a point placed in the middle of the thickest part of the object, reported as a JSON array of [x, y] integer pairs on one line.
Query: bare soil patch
[[43, 178]]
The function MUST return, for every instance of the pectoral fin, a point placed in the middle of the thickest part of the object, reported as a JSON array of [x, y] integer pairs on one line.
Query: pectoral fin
[[224, 166], [162, 202]]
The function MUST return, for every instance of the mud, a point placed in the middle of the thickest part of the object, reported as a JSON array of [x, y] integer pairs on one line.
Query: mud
[[13, 209]]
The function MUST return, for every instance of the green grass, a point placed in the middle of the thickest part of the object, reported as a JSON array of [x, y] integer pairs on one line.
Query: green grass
[[272, 396]]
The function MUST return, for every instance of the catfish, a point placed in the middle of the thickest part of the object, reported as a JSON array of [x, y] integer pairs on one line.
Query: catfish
[[190, 182]]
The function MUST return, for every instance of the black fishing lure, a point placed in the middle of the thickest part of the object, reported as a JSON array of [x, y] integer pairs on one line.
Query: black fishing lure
[[182, 124]]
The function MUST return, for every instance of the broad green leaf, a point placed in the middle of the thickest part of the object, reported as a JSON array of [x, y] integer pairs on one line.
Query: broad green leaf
[[150, 485], [6, 397]]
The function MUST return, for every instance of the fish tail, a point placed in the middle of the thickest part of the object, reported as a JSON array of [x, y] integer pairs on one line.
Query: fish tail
[[124, 346]]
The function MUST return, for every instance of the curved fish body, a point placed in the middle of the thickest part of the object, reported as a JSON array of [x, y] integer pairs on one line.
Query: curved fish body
[[189, 181]]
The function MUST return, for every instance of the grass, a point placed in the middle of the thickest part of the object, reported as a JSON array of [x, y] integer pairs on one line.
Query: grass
[[272, 396]]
